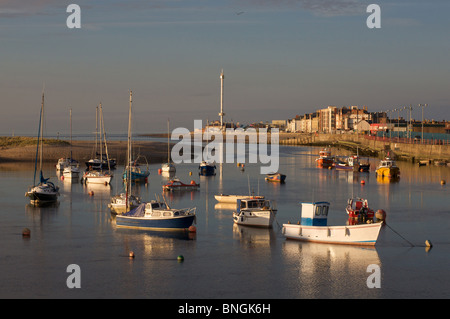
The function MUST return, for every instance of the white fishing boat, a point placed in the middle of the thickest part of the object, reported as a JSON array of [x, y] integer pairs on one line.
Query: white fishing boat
[[232, 199], [313, 227], [45, 192], [99, 176], [157, 215], [255, 212]]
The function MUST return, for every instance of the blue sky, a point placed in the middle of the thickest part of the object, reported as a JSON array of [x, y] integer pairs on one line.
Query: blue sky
[[280, 58]]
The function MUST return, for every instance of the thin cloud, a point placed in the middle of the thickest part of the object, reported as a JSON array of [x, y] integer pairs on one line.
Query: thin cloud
[[326, 8], [13, 9]]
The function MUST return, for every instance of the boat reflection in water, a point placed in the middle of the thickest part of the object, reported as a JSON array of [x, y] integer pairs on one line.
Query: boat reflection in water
[[329, 271]]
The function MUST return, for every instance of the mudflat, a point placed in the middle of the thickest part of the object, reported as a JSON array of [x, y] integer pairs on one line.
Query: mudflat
[[155, 152]]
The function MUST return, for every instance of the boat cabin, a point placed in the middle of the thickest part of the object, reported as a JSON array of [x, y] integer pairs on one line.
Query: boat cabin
[[387, 163], [314, 214], [254, 204], [157, 209]]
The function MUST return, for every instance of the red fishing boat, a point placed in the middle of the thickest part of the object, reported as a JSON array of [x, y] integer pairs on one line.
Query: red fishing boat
[[325, 159], [177, 185]]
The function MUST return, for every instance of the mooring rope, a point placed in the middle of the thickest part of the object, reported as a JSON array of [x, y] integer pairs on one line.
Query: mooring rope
[[412, 245]]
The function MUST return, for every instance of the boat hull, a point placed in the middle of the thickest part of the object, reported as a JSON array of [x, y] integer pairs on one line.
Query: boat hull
[[262, 219], [388, 172], [98, 179], [343, 167], [207, 170], [137, 177], [174, 223], [168, 168], [325, 162], [278, 178], [364, 235], [232, 199], [42, 195]]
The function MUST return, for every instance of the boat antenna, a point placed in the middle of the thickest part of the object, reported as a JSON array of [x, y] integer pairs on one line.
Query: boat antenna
[[165, 202]]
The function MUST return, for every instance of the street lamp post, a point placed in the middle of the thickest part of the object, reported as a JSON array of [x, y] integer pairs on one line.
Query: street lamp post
[[423, 106]]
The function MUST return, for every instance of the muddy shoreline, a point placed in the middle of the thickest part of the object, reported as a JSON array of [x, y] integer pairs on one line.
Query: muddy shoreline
[[154, 152]]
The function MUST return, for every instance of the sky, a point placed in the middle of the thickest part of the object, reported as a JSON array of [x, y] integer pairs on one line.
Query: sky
[[281, 58]]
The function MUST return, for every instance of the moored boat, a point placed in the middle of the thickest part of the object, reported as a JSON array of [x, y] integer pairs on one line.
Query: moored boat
[[232, 199], [207, 169], [176, 185], [97, 177], [137, 174], [313, 227], [349, 163], [168, 167], [387, 168], [157, 216], [93, 175], [325, 160], [71, 172], [255, 212], [276, 177], [119, 203], [45, 192]]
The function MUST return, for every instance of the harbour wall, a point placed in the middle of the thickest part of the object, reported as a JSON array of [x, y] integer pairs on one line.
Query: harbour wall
[[404, 149]]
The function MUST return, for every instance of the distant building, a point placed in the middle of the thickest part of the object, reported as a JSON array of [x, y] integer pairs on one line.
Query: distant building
[[280, 124]]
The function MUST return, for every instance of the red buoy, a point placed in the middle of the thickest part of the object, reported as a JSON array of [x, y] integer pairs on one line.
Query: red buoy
[[192, 229]]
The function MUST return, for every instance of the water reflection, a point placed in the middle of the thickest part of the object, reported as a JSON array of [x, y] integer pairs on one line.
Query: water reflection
[[329, 271]]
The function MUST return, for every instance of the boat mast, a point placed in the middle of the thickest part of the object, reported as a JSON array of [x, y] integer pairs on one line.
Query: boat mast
[[41, 133], [104, 138], [128, 186], [70, 116], [221, 114], [168, 148]]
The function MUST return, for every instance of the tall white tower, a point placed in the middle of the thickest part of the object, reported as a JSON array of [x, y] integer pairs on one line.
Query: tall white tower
[[221, 114]]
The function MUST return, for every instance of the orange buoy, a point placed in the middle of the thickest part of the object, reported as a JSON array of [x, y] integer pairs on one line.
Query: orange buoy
[[91, 193], [192, 229], [159, 171], [26, 232], [380, 214], [443, 182], [131, 254], [363, 182]]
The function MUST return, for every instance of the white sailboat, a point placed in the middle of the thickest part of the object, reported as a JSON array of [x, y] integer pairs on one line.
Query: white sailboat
[[100, 176], [123, 202], [168, 167], [72, 170], [45, 192]]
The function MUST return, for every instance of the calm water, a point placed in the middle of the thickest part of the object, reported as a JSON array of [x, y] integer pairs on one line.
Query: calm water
[[223, 260]]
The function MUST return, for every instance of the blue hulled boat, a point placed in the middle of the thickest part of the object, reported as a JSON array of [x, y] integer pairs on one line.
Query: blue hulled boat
[[157, 216], [277, 177], [207, 169]]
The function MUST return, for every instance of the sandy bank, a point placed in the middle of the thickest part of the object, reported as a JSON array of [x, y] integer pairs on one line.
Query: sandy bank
[[155, 152]]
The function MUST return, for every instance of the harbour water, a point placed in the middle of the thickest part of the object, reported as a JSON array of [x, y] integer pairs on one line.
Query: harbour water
[[223, 260]]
